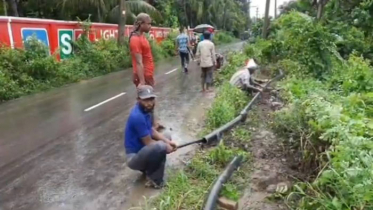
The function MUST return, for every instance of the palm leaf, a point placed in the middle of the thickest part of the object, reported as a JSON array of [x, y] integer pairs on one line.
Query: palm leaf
[[134, 7], [137, 6], [114, 14], [103, 5]]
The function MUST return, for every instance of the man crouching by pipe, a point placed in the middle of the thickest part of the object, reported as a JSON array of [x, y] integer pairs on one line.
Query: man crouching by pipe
[[146, 148], [244, 79]]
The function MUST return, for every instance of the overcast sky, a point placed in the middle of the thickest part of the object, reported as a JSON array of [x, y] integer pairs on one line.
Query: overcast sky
[[261, 4]]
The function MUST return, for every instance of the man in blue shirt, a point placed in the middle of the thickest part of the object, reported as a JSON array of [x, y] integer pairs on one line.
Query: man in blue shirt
[[182, 44], [146, 148]]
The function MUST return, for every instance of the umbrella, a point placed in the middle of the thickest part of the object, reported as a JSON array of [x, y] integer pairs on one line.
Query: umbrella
[[201, 28]]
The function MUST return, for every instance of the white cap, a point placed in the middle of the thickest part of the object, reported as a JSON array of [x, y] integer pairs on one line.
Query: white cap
[[251, 64]]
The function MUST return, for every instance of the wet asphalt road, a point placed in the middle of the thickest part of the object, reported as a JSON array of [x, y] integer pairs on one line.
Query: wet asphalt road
[[63, 149]]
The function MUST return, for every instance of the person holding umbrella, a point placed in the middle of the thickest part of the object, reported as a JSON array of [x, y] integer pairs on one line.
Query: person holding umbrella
[[202, 28]]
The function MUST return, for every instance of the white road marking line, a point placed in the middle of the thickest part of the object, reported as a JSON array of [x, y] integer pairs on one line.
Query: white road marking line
[[99, 104], [171, 71]]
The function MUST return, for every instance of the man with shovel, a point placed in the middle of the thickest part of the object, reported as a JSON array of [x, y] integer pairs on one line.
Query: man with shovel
[[146, 148]]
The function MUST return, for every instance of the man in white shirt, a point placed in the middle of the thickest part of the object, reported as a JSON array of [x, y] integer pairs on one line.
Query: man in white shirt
[[244, 80], [207, 60]]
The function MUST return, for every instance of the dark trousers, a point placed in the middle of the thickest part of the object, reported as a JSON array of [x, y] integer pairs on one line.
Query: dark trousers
[[151, 159], [184, 59], [207, 75]]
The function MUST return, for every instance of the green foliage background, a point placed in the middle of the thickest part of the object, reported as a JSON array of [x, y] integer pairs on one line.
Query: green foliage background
[[328, 87]]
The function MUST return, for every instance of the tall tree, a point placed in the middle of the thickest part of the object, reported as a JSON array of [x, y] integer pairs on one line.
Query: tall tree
[[249, 14], [266, 20], [222, 14], [122, 22], [14, 7], [4, 8], [319, 4]]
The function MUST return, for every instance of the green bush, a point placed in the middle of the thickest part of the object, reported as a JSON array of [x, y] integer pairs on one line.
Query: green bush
[[257, 27], [355, 76], [227, 105], [102, 57], [157, 51], [327, 119], [30, 70], [301, 40], [168, 45], [223, 37], [329, 122], [307, 42], [349, 39], [264, 51]]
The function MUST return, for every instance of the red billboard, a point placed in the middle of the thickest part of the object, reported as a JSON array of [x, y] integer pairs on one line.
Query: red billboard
[[58, 35]]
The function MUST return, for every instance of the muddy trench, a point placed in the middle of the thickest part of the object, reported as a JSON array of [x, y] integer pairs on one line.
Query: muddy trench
[[274, 169]]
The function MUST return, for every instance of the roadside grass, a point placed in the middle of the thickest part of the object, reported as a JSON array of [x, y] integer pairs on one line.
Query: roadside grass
[[187, 187]]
